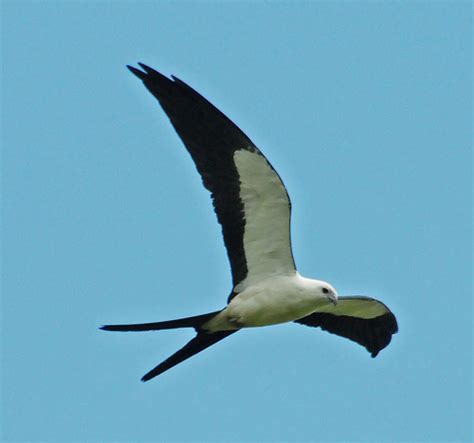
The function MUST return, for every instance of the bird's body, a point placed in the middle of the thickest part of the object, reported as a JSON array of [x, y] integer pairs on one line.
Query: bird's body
[[254, 210], [278, 299]]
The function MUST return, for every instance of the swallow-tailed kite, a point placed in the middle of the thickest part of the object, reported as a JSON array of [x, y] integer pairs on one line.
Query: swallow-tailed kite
[[254, 209]]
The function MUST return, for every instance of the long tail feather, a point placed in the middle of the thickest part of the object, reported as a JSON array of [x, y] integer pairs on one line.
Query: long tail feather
[[202, 341], [188, 322]]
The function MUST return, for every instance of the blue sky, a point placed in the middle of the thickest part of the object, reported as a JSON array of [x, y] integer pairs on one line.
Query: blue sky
[[365, 111]]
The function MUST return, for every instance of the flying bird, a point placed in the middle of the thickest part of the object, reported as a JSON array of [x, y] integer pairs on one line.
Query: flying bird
[[254, 210]]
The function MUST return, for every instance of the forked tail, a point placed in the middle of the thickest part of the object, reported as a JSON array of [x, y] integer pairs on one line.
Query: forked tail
[[188, 322], [200, 342]]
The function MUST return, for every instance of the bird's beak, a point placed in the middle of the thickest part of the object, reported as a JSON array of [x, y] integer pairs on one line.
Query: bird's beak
[[333, 299]]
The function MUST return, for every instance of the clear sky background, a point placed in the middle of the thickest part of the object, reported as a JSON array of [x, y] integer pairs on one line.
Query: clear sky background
[[365, 111]]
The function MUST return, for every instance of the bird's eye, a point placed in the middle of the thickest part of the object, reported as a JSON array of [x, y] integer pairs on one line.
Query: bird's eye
[[325, 291]]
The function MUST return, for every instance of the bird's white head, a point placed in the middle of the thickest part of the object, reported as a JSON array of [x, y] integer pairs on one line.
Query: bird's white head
[[328, 291], [322, 290]]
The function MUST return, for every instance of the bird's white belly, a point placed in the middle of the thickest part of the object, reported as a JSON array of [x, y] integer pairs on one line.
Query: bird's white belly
[[267, 309], [280, 301]]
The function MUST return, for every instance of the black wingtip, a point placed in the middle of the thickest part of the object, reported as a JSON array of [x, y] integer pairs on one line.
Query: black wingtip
[[141, 75], [148, 74], [147, 68]]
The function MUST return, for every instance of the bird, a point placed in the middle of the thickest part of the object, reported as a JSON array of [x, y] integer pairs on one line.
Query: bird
[[254, 210]]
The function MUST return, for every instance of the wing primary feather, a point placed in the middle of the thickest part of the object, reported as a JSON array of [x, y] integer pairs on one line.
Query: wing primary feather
[[141, 75]]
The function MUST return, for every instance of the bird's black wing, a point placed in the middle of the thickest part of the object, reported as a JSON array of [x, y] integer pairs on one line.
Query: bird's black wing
[[361, 319], [249, 198]]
